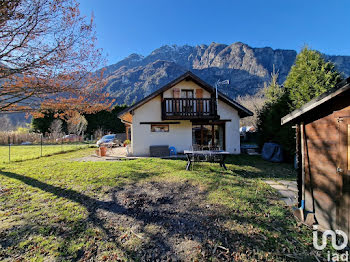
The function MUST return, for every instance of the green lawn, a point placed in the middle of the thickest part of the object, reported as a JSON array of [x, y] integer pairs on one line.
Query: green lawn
[[57, 209], [20, 153]]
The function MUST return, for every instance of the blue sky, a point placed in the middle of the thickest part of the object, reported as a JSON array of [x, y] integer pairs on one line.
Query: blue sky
[[140, 26]]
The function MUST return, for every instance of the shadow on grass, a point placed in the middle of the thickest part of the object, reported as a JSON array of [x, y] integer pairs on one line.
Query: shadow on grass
[[194, 223]]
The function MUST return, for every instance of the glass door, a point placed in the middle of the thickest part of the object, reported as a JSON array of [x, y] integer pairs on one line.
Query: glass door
[[196, 136], [208, 136], [187, 104], [219, 136]]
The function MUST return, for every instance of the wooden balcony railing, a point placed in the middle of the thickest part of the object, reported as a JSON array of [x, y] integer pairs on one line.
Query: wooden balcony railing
[[189, 108]]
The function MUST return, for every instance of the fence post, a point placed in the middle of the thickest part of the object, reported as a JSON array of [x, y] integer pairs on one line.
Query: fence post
[[41, 145], [62, 143], [9, 142]]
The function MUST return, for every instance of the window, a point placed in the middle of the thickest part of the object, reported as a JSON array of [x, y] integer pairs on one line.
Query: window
[[185, 93], [159, 128], [208, 135]]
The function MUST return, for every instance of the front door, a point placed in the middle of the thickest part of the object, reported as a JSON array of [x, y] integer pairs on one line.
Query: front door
[[343, 170]]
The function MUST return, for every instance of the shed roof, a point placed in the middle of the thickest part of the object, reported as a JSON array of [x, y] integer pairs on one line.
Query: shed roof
[[316, 102], [242, 111]]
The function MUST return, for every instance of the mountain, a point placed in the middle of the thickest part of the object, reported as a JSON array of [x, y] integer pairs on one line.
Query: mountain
[[246, 67]]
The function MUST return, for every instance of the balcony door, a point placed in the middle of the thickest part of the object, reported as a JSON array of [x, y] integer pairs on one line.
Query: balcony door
[[209, 136], [187, 93], [187, 103]]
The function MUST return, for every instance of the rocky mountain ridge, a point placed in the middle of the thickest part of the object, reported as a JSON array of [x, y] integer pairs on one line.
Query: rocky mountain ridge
[[246, 67]]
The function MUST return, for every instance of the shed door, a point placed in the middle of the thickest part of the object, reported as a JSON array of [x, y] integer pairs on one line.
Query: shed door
[[343, 210]]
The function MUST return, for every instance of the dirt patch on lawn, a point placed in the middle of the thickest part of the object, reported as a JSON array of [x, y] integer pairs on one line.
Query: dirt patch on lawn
[[162, 221], [3, 190]]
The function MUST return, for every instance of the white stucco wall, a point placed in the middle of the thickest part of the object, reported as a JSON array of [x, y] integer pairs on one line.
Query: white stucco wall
[[179, 135], [232, 140]]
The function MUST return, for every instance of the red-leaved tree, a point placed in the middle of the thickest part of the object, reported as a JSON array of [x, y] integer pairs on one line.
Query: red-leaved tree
[[47, 58]]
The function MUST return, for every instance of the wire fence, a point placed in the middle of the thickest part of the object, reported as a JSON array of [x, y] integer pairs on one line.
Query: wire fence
[[15, 148]]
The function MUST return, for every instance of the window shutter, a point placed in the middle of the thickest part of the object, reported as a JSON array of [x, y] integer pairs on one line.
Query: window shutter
[[199, 93], [199, 104], [176, 93]]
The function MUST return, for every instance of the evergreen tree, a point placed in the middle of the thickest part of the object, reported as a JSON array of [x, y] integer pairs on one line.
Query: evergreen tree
[[105, 120], [309, 77], [43, 124], [108, 121], [273, 91], [269, 118]]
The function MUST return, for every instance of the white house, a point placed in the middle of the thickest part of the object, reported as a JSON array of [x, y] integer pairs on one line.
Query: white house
[[181, 114]]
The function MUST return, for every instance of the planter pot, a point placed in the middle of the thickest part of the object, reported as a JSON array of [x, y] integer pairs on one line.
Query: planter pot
[[103, 151]]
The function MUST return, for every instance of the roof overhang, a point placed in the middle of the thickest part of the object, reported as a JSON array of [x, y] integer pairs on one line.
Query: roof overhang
[[314, 103]]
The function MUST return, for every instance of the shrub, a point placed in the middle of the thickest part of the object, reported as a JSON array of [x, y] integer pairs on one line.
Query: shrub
[[18, 137], [271, 130]]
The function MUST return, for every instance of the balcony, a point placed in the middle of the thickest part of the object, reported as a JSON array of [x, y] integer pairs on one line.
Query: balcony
[[189, 108]]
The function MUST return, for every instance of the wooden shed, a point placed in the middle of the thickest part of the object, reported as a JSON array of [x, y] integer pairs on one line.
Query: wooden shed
[[323, 151]]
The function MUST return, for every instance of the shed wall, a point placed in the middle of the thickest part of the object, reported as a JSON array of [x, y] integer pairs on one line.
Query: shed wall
[[321, 158], [321, 178]]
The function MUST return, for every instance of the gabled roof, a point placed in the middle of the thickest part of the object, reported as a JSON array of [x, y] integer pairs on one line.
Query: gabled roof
[[242, 111], [341, 88]]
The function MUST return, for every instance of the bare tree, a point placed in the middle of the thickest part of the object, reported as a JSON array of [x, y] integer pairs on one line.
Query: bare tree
[[254, 103], [47, 56], [271, 92], [6, 124], [56, 128], [77, 124], [99, 133]]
